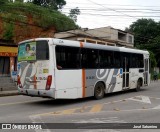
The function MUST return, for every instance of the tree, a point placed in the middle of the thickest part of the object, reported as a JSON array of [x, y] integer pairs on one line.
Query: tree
[[73, 13], [2, 2], [54, 4], [147, 36], [145, 30], [37, 2], [18, 0]]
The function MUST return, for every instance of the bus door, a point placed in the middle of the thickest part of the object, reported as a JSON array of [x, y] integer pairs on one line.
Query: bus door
[[146, 71], [125, 72]]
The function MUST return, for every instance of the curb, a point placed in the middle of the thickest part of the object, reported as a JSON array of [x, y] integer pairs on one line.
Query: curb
[[9, 94]]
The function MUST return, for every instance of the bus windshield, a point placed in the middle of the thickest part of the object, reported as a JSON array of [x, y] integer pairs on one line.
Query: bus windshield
[[33, 50]]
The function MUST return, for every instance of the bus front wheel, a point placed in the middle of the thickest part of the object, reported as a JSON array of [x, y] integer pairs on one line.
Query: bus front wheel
[[99, 90]]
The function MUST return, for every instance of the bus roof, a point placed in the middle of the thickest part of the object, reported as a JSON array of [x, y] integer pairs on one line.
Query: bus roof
[[97, 46], [88, 45]]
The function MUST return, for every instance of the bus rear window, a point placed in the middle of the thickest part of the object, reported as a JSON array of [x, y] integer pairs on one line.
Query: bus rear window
[[42, 50], [32, 51]]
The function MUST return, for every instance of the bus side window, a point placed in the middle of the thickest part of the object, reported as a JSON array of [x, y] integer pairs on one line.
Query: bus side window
[[67, 57], [140, 61], [84, 62], [117, 59], [106, 58], [89, 58], [92, 57], [102, 59], [137, 60], [60, 57]]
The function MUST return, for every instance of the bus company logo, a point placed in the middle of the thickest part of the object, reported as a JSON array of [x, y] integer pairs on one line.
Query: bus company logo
[[101, 73], [6, 126]]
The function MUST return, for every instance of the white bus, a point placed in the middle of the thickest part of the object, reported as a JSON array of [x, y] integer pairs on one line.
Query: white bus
[[64, 69]]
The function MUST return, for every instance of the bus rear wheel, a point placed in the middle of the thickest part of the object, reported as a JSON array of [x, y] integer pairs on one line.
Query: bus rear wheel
[[139, 83], [99, 90]]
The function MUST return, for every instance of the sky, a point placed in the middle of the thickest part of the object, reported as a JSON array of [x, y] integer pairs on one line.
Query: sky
[[115, 13]]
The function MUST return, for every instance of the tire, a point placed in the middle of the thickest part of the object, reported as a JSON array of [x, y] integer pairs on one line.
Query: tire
[[99, 91], [138, 88]]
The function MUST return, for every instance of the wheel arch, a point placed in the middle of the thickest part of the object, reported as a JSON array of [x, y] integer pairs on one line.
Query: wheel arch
[[141, 80], [100, 81]]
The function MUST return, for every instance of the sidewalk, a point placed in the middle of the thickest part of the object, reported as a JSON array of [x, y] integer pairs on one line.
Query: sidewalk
[[8, 93], [7, 86]]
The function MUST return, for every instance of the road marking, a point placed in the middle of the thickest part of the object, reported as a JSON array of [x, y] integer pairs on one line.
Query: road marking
[[60, 112], [143, 99], [116, 109], [69, 111], [99, 120], [154, 97], [157, 107], [96, 108]]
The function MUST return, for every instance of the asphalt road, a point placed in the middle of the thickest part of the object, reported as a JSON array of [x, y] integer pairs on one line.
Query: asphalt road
[[122, 107]]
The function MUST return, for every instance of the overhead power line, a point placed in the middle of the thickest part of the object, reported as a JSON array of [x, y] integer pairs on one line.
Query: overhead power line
[[114, 15], [112, 9], [117, 9], [116, 5]]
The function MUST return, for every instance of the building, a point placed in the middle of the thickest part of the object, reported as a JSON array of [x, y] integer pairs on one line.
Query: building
[[8, 57], [104, 35]]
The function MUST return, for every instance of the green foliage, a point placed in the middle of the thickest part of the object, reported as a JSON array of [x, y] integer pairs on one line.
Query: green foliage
[[73, 13], [152, 55], [60, 21], [52, 4], [147, 36], [8, 32], [45, 18], [2, 1], [144, 30], [18, 0], [152, 59]]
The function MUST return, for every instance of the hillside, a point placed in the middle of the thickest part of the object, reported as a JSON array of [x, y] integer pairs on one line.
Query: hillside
[[20, 21]]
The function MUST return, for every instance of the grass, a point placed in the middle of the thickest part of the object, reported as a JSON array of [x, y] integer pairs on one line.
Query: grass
[[42, 17]]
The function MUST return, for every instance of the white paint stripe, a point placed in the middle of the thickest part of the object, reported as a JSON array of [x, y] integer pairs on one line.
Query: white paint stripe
[[143, 99], [146, 99], [157, 107], [154, 97]]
